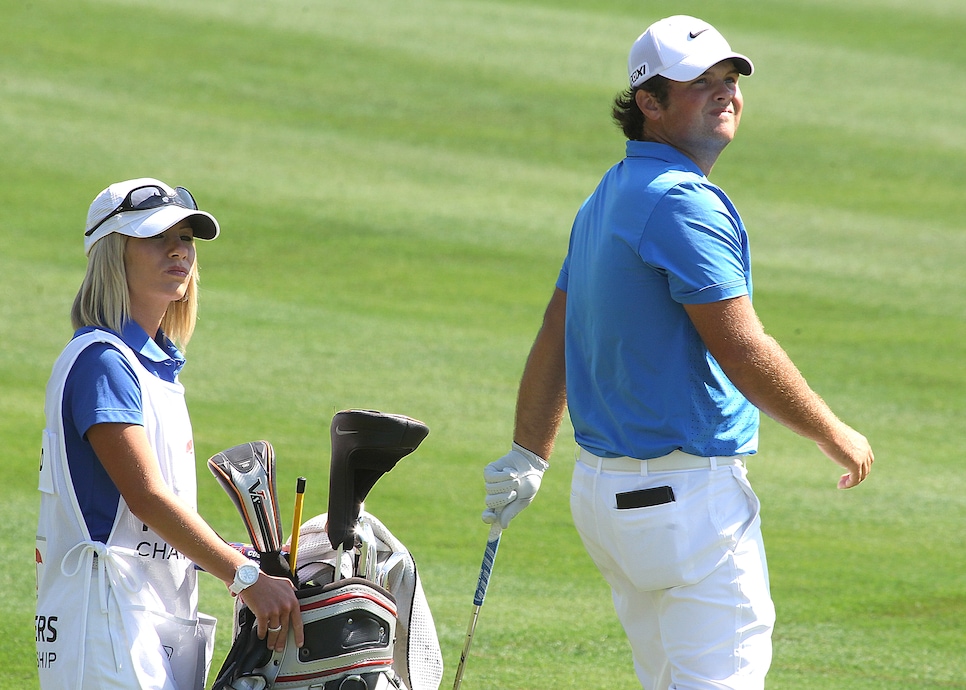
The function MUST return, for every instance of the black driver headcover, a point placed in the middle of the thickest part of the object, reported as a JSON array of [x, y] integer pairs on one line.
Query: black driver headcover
[[365, 445]]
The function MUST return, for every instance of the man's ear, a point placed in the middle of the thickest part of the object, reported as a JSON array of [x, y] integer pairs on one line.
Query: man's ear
[[648, 104]]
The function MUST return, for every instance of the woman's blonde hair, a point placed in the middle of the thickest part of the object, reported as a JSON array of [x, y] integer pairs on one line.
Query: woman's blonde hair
[[103, 300]]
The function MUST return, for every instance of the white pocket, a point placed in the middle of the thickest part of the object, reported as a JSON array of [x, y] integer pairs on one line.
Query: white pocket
[[188, 646], [682, 542], [666, 545]]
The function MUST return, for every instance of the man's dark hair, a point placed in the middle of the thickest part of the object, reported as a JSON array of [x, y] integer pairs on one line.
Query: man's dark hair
[[626, 113]]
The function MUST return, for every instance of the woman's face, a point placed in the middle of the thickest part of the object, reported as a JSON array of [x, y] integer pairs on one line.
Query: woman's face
[[159, 268]]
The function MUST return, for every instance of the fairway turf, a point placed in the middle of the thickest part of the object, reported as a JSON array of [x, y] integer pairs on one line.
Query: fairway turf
[[396, 183]]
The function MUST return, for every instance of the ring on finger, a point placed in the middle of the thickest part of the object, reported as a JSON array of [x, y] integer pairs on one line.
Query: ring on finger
[[277, 629]]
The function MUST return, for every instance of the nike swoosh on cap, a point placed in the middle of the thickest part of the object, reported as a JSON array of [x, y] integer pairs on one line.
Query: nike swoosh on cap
[[695, 34], [344, 432]]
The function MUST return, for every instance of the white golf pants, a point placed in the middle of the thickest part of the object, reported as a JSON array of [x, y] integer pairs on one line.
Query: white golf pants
[[688, 576]]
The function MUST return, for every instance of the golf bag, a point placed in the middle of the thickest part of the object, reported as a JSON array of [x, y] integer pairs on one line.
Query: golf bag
[[349, 629], [416, 657], [366, 621]]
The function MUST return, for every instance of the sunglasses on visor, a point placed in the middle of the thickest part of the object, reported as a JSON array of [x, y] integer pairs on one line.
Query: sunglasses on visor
[[148, 197]]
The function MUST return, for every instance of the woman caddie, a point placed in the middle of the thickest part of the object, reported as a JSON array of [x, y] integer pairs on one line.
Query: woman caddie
[[119, 534]]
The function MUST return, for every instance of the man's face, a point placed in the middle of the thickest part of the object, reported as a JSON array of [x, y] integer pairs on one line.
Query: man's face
[[701, 116]]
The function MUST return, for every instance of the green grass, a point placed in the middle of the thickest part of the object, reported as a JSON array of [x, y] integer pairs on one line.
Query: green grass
[[395, 183]]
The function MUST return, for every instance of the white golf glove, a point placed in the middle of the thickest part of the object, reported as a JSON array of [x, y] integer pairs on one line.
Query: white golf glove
[[511, 483]]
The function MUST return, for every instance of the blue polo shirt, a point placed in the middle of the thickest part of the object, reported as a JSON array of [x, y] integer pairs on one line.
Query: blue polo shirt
[[653, 236], [102, 387]]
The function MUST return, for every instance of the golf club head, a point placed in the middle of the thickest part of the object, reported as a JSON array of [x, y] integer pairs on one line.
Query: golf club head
[[247, 474], [387, 569], [368, 554], [365, 445]]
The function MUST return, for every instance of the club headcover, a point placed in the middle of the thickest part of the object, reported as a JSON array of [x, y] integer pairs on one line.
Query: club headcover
[[365, 445], [247, 474]]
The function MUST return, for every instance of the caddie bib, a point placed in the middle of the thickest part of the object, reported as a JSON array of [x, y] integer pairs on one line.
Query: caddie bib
[[144, 619]]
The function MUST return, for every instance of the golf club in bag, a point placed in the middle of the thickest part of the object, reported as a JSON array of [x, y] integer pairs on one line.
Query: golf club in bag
[[247, 474], [366, 622]]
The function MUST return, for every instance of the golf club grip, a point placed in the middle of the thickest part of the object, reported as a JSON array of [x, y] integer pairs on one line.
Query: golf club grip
[[296, 524], [489, 556]]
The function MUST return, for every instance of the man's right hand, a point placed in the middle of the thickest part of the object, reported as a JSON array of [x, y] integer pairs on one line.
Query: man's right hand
[[511, 483], [851, 450]]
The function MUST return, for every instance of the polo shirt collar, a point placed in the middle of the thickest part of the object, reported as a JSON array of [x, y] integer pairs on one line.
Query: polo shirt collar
[[664, 152], [138, 340]]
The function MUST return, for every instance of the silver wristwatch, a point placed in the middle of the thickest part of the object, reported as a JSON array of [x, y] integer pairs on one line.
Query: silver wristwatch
[[245, 576]]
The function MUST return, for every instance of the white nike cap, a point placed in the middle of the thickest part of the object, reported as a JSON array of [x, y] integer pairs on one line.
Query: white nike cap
[[144, 207], [680, 48]]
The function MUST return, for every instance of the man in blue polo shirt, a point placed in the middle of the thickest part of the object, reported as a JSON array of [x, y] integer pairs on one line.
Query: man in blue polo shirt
[[651, 340]]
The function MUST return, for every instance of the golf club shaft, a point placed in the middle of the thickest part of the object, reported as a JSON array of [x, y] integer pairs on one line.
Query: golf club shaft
[[296, 524], [489, 556]]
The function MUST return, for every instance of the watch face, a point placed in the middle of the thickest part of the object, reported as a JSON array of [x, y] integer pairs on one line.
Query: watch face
[[248, 574]]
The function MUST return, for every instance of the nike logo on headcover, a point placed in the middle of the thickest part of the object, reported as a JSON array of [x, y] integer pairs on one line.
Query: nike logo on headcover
[[694, 34], [344, 432]]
